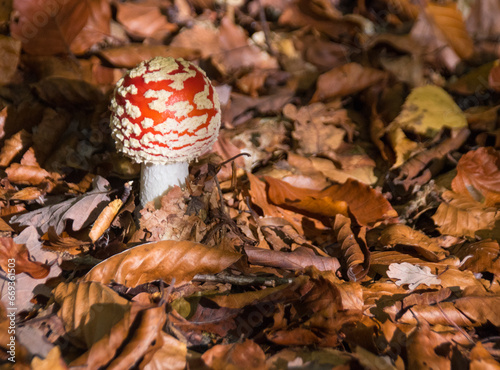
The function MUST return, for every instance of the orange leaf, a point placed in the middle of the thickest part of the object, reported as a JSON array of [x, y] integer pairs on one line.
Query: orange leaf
[[449, 20], [421, 347], [166, 260], [105, 219], [10, 251], [478, 176], [367, 205], [246, 355]]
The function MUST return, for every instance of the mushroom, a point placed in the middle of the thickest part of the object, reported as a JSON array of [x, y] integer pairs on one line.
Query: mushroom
[[165, 113]]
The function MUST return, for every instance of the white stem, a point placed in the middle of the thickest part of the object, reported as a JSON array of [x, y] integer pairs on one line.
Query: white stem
[[157, 179]]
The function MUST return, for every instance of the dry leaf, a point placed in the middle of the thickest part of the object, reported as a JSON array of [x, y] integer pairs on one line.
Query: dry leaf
[[104, 220], [346, 80], [10, 50], [82, 210], [355, 254], [245, 355], [428, 109], [88, 310], [166, 260], [48, 28], [478, 176], [422, 349], [406, 273], [13, 146]]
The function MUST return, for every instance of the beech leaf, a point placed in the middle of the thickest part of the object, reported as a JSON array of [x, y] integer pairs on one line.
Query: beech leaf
[[166, 260], [413, 275]]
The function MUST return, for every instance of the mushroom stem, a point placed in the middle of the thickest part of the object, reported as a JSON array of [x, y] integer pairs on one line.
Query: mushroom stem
[[157, 179]]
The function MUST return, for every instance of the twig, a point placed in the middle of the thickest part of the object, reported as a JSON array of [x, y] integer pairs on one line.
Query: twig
[[242, 280]]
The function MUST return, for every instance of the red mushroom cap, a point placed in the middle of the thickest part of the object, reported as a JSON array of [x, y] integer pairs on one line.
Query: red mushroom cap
[[165, 110]]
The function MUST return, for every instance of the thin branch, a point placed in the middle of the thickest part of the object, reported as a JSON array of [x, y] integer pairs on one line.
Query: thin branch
[[269, 281]]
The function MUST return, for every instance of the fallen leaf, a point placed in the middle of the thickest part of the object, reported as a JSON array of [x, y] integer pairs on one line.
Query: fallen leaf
[[298, 259], [14, 146], [104, 220], [166, 260], [413, 275], [478, 176], [247, 355], [461, 216], [53, 361], [88, 310], [422, 349], [349, 79], [428, 109], [10, 49], [48, 28], [10, 251], [82, 210], [481, 358], [355, 253]]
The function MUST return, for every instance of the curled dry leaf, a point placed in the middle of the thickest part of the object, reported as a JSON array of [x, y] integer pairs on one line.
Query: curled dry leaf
[[478, 176], [245, 355], [88, 310], [355, 253], [104, 220], [166, 260], [481, 358], [32, 175], [481, 256], [298, 259], [14, 146], [413, 275]]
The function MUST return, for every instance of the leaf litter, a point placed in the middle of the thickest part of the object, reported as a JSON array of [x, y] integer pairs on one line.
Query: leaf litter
[[347, 217]]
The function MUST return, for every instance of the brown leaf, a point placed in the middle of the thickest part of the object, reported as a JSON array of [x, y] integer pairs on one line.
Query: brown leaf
[[48, 134], [367, 205], [461, 216], [481, 359], [422, 349], [48, 28], [53, 361], [298, 259], [245, 355], [144, 20], [128, 340], [172, 354], [166, 260], [349, 79], [478, 176], [448, 19], [481, 256], [13, 146], [89, 310], [238, 52], [130, 55], [405, 235], [11, 252], [355, 253], [96, 29], [10, 50]]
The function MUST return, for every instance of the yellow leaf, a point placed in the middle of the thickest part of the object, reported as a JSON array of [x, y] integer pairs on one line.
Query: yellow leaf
[[428, 109], [402, 146]]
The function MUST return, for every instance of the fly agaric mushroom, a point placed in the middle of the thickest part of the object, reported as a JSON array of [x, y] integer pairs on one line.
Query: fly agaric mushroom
[[165, 113]]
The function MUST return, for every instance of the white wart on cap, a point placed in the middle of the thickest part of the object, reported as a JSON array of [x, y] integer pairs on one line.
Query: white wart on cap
[[165, 111]]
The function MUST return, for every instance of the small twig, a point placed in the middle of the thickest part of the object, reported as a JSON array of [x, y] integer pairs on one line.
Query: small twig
[[454, 324], [242, 280], [265, 29]]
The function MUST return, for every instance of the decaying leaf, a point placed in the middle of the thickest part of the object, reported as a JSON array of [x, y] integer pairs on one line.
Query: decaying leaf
[[413, 275], [81, 210], [428, 109], [166, 260]]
